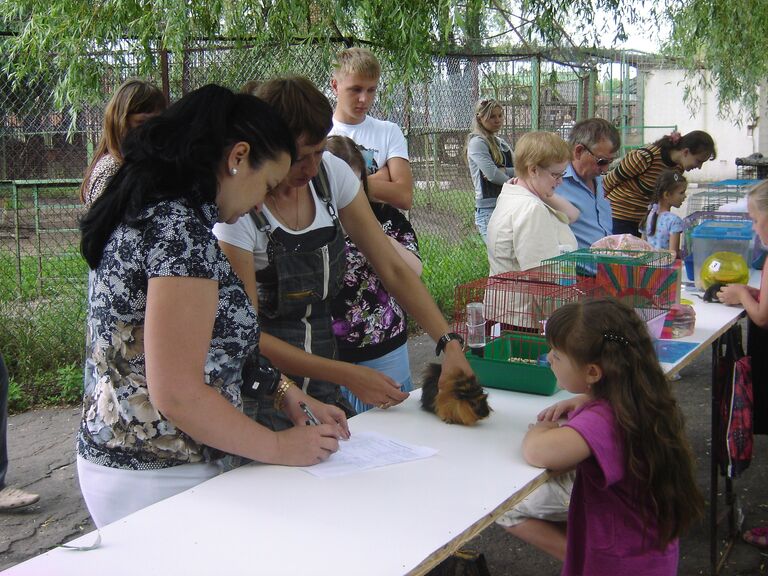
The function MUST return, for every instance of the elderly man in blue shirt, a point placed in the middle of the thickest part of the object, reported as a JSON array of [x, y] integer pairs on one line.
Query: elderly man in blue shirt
[[594, 143]]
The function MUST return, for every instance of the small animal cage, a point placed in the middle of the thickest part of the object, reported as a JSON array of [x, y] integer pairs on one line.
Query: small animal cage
[[694, 219], [752, 166], [716, 194], [517, 301], [648, 281], [510, 350]]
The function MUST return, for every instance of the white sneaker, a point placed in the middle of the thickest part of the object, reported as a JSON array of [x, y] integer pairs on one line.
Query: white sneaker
[[12, 498]]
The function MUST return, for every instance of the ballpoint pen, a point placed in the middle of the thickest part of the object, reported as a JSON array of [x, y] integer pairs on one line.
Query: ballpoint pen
[[311, 418]]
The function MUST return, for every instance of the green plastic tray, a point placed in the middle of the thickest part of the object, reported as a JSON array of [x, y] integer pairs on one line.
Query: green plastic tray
[[494, 370]]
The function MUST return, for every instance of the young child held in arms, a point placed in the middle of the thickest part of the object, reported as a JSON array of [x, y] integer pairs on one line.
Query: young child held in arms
[[755, 302], [634, 492], [661, 228]]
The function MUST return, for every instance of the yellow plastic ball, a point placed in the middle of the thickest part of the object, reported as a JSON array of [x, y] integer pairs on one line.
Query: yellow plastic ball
[[724, 268]]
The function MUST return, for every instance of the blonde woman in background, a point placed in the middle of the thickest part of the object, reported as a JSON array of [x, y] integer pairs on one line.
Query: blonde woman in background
[[134, 102], [490, 160]]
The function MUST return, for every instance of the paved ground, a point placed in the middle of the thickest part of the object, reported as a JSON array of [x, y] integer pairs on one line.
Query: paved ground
[[42, 460]]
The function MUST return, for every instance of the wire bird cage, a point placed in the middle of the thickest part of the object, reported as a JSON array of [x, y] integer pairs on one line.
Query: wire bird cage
[[717, 194], [509, 349], [647, 281], [517, 301]]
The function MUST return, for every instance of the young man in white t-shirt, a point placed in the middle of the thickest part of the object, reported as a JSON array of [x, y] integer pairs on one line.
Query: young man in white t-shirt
[[355, 79]]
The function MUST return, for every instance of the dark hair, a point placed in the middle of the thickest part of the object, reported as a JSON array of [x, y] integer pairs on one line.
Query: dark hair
[[667, 181], [592, 131], [178, 155], [696, 141], [305, 109], [345, 148], [134, 96], [612, 335]]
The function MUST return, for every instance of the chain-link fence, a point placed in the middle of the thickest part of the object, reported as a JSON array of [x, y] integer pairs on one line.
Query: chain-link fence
[[43, 281]]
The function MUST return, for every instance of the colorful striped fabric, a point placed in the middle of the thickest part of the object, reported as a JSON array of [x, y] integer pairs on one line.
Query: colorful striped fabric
[[630, 185]]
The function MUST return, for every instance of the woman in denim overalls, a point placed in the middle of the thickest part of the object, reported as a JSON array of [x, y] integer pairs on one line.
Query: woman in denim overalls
[[295, 291], [297, 263]]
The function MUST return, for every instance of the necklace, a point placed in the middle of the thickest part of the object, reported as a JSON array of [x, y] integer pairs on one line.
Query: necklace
[[285, 221]]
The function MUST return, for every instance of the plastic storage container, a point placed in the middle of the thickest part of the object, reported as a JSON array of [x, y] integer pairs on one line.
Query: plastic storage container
[[515, 362], [719, 236]]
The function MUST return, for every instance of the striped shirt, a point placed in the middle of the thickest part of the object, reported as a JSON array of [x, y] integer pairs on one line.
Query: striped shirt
[[630, 185]]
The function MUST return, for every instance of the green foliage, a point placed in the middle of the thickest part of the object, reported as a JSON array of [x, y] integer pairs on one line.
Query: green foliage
[[38, 339], [448, 264], [727, 38], [18, 401], [69, 381], [73, 44], [30, 277]]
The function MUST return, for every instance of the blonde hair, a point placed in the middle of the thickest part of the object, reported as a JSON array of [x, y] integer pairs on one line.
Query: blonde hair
[[759, 195], [356, 61], [539, 149], [483, 110]]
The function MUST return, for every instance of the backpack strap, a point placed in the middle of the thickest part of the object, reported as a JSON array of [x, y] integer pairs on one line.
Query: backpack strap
[[323, 188], [262, 224]]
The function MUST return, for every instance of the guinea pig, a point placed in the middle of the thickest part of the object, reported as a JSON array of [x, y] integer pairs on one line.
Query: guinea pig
[[462, 401]]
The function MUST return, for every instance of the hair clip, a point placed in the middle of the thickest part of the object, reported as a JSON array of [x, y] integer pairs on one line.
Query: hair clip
[[614, 337]]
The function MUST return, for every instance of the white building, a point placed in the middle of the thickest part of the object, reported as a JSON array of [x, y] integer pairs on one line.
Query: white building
[[664, 104]]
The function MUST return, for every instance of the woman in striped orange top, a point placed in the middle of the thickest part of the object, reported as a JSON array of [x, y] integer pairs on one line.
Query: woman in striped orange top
[[630, 185]]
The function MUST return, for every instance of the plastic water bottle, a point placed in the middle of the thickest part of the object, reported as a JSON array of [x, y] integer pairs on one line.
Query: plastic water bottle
[[476, 327], [568, 267]]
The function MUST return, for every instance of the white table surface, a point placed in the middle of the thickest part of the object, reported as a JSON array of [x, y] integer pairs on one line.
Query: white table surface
[[712, 321], [395, 520], [276, 520]]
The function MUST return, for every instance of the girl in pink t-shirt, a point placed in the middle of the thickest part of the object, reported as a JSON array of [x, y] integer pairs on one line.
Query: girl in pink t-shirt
[[634, 492]]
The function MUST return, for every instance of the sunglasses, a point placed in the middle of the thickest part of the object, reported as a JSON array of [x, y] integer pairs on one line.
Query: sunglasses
[[599, 160]]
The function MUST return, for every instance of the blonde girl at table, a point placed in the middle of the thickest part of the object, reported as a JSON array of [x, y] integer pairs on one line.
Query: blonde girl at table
[[291, 260], [134, 102], [755, 303], [635, 491], [169, 324]]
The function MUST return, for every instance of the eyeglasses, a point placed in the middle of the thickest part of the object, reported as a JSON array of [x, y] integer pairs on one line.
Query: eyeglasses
[[555, 175], [599, 160]]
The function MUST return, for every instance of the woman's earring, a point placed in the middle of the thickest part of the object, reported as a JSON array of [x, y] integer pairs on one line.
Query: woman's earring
[[233, 171]]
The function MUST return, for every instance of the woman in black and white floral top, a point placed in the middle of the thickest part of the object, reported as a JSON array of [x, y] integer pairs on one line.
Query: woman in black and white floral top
[[169, 323]]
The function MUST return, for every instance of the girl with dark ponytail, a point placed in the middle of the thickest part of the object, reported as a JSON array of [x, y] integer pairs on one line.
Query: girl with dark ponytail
[[169, 323], [635, 492], [630, 184]]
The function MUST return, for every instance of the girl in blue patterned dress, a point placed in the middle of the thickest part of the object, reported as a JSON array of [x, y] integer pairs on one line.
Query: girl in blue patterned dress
[[169, 323], [661, 228]]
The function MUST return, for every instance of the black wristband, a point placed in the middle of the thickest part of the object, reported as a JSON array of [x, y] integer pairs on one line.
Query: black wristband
[[444, 339], [260, 377]]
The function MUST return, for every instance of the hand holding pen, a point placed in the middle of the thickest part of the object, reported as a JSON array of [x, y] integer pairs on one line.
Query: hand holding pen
[[313, 420]]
